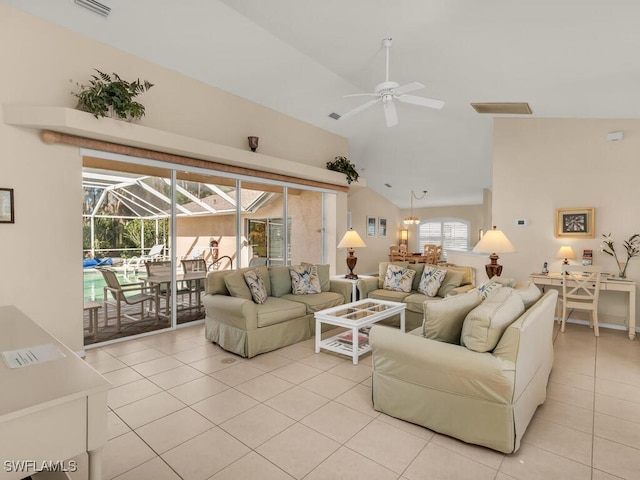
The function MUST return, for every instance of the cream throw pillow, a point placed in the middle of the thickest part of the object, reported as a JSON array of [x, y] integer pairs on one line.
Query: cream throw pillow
[[304, 280], [256, 286], [398, 279], [488, 288], [484, 325], [443, 319], [431, 280]]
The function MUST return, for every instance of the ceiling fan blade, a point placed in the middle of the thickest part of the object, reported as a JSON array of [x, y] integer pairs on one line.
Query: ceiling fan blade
[[390, 113], [360, 108], [409, 87], [422, 101], [362, 95]]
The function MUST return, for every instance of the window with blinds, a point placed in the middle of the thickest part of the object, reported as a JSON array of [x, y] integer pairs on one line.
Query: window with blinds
[[450, 233]]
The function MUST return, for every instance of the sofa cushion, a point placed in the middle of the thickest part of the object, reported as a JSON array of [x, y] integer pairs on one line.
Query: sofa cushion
[[236, 285], [488, 288], [382, 294], [529, 293], [443, 319], [398, 279], [485, 324], [452, 279], [277, 310], [382, 270], [253, 278], [280, 281], [419, 268], [431, 280], [304, 279], [323, 275], [415, 302], [319, 301], [214, 285], [467, 273]]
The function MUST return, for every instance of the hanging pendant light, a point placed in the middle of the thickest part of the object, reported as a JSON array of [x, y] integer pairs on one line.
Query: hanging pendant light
[[412, 219]]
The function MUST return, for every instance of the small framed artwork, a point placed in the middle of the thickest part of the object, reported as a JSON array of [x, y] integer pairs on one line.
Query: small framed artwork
[[575, 222], [382, 227], [371, 226], [6, 205]]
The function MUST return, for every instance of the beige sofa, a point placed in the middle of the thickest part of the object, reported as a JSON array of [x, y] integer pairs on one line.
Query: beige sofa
[[459, 279], [238, 324], [485, 398]]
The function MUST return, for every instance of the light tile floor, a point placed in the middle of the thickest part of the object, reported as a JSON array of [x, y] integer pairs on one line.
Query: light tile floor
[[184, 408]]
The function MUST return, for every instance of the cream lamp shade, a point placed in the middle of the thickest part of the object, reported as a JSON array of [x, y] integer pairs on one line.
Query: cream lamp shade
[[351, 240], [494, 242], [566, 252]]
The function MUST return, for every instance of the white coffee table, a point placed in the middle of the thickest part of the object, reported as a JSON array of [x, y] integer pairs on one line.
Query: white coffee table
[[354, 316]]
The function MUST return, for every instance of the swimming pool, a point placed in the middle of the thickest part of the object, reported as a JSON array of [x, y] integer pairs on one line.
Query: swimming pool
[[94, 284]]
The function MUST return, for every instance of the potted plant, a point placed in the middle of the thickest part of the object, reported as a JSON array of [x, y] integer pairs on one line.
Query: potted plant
[[343, 165], [111, 95]]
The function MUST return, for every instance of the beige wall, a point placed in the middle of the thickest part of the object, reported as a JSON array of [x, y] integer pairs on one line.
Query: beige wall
[[40, 255], [544, 164], [364, 202]]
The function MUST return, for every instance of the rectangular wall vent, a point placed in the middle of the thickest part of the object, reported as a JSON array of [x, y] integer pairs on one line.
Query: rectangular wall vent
[[334, 115], [95, 7], [504, 108]]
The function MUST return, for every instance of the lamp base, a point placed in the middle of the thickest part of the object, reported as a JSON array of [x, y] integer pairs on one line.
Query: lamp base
[[351, 264], [493, 269]]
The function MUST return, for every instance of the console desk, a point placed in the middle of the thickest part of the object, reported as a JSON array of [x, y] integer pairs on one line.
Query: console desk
[[606, 283], [50, 411]]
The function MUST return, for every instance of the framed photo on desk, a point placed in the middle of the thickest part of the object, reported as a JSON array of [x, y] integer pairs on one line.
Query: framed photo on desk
[[575, 222]]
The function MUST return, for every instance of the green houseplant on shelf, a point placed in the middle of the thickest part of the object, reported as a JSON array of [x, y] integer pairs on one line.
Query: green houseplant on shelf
[[343, 165], [632, 246], [109, 95]]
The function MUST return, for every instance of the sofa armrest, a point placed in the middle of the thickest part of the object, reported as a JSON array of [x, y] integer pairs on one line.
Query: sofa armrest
[[343, 288], [238, 312], [459, 290], [441, 366], [366, 285]]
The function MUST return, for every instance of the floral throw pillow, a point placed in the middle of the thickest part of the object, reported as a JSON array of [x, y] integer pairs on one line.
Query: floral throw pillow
[[487, 288], [256, 286], [398, 279], [431, 280], [304, 279]]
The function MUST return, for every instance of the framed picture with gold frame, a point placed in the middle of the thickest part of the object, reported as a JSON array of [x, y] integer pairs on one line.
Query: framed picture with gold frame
[[575, 222]]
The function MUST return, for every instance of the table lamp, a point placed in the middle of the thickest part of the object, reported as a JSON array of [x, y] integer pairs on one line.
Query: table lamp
[[494, 242], [566, 252], [351, 240]]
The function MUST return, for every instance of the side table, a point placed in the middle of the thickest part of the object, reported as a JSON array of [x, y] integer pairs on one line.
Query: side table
[[354, 283]]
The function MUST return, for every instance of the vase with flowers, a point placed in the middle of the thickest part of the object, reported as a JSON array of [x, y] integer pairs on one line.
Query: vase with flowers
[[632, 246]]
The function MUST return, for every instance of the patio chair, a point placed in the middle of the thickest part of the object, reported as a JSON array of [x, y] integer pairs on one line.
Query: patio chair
[[129, 294], [194, 287], [161, 269], [134, 263]]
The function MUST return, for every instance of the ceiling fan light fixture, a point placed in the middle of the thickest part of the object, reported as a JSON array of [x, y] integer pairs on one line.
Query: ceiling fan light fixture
[[503, 108]]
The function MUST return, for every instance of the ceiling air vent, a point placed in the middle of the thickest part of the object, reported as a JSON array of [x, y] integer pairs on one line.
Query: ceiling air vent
[[95, 7], [503, 108], [334, 115]]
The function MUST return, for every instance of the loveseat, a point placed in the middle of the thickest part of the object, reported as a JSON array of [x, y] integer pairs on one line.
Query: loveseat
[[240, 325], [458, 279], [482, 388]]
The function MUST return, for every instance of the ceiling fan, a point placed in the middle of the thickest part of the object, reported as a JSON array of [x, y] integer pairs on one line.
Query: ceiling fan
[[386, 92]]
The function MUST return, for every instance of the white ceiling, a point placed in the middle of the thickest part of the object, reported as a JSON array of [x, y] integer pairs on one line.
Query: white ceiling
[[567, 58]]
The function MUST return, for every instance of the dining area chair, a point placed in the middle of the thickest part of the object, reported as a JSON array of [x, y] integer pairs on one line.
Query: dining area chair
[[121, 295], [580, 291], [432, 253]]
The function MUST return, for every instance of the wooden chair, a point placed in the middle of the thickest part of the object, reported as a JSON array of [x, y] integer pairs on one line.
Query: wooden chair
[[432, 252], [397, 253], [580, 290], [116, 294]]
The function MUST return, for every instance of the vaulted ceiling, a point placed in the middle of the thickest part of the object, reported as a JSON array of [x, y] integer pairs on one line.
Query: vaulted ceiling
[[566, 58]]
